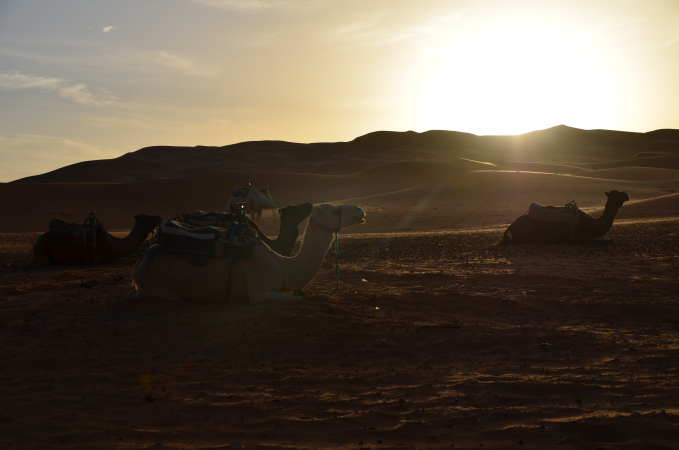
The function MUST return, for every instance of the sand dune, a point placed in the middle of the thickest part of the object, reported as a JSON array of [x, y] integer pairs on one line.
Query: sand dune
[[395, 174], [634, 174], [657, 161], [661, 206]]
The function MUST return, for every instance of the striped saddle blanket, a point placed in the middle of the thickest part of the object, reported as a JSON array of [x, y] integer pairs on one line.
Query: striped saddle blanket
[[207, 219], [569, 214], [199, 244]]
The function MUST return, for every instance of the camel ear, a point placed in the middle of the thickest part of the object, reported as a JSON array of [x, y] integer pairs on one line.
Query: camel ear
[[138, 217], [606, 194]]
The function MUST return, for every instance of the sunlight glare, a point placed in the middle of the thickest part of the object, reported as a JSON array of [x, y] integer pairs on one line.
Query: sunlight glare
[[513, 81]]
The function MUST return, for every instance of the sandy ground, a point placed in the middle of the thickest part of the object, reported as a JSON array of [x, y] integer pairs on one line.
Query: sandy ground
[[433, 340]]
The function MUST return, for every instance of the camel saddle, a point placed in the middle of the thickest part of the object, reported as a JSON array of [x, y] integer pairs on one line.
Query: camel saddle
[[199, 244], [207, 219], [569, 214], [241, 191], [61, 229]]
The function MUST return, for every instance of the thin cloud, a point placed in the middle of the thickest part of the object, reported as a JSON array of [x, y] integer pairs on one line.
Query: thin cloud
[[258, 6], [370, 31], [10, 80], [77, 93], [108, 29], [251, 6], [179, 62]]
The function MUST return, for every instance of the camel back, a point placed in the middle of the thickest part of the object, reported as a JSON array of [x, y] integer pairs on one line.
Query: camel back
[[569, 214], [61, 229], [241, 191], [207, 219], [199, 244]]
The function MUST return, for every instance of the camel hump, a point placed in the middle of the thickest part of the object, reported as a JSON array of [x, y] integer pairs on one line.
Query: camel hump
[[199, 244], [61, 229], [207, 219], [240, 191], [568, 214]]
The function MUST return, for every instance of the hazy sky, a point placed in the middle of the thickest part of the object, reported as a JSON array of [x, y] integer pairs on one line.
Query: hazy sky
[[93, 79]]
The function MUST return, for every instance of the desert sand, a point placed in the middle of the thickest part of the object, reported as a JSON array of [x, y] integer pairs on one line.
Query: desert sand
[[435, 338]]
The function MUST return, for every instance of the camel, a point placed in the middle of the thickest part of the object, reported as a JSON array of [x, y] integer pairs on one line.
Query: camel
[[527, 230], [255, 201], [263, 278], [291, 217], [69, 251]]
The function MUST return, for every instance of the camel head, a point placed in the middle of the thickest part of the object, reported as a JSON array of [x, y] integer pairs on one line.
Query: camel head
[[148, 221], [296, 214], [264, 190], [617, 198], [337, 217]]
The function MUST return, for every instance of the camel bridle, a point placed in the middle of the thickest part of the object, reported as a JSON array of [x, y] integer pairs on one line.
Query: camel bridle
[[336, 230]]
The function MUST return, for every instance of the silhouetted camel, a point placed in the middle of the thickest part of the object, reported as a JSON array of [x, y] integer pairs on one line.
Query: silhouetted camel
[[94, 249], [527, 230]]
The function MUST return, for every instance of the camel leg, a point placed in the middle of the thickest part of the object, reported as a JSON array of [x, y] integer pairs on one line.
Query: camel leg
[[265, 297], [259, 215], [39, 255], [150, 283]]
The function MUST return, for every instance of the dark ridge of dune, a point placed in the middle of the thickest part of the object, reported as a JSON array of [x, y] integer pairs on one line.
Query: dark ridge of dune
[[659, 146], [553, 145], [664, 161], [427, 139]]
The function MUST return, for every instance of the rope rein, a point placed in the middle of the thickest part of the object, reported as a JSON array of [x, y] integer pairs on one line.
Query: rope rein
[[273, 213], [91, 222]]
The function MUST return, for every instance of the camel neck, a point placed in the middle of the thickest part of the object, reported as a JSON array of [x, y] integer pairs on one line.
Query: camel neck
[[264, 201], [287, 229], [605, 222], [302, 268], [128, 244]]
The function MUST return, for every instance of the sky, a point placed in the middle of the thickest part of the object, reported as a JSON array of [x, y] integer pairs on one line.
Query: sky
[[94, 79]]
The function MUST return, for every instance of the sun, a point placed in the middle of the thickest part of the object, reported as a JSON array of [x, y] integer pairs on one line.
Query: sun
[[512, 81]]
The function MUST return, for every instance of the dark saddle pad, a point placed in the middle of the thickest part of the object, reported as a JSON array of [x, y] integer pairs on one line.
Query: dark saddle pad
[[241, 191], [207, 219], [199, 244], [569, 214], [61, 229]]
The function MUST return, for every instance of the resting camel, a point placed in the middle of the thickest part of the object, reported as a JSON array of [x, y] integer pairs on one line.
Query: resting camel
[[255, 201], [291, 217], [51, 250], [527, 230], [263, 278]]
